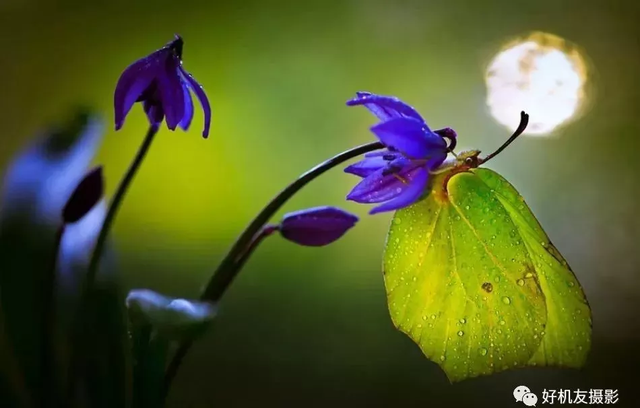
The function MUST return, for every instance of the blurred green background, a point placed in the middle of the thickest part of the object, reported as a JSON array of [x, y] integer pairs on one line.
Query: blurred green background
[[309, 327]]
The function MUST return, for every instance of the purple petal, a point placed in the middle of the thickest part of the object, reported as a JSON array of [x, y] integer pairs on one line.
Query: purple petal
[[365, 167], [316, 226], [385, 107], [133, 81], [380, 187], [436, 160], [202, 97], [412, 138], [171, 89], [379, 153], [188, 109], [408, 196]]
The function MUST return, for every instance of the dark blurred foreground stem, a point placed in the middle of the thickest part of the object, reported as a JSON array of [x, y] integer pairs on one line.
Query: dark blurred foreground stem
[[49, 380], [83, 309], [250, 238]]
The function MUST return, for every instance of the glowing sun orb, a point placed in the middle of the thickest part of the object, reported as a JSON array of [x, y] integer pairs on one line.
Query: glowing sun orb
[[541, 75]]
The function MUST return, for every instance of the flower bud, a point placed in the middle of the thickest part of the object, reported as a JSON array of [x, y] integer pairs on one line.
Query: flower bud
[[316, 226]]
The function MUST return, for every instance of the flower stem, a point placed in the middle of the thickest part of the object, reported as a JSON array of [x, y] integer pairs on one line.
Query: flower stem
[[225, 273], [116, 202], [244, 245], [115, 205], [47, 397]]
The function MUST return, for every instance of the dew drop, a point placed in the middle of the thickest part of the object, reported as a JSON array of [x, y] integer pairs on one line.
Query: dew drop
[[506, 300], [483, 351], [502, 322], [528, 275], [487, 287], [497, 279], [433, 316], [467, 207], [520, 282], [460, 333], [571, 284], [463, 320], [442, 358], [397, 220]]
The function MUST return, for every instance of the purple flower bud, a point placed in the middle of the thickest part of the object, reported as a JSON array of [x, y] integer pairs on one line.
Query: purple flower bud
[[317, 226], [86, 195]]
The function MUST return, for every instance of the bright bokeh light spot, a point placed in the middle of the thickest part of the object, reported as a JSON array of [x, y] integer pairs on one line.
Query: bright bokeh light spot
[[541, 75]]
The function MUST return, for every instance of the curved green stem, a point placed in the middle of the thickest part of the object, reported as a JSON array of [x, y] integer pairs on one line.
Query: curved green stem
[[225, 273], [243, 247]]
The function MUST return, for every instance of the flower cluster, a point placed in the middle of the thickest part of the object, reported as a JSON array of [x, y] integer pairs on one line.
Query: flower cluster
[[398, 175]]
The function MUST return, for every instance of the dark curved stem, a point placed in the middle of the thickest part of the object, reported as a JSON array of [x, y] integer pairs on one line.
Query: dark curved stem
[[225, 273], [83, 309], [231, 264], [117, 200]]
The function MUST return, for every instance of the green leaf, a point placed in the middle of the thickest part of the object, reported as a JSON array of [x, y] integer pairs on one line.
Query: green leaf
[[472, 278]]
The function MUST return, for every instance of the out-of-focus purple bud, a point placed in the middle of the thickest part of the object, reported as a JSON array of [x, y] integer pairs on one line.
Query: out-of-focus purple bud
[[316, 226], [88, 193]]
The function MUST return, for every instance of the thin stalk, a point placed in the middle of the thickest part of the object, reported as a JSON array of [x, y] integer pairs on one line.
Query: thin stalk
[[47, 397], [83, 309]]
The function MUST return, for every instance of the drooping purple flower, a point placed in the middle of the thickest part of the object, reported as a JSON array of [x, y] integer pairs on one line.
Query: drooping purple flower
[[163, 86], [316, 226], [397, 176]]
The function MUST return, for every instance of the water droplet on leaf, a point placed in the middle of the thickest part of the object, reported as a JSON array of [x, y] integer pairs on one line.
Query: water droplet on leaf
[[506, 300]]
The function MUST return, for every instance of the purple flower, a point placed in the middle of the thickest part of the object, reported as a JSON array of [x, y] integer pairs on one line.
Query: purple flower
[[316, 226], [397, 176], [163, 86]]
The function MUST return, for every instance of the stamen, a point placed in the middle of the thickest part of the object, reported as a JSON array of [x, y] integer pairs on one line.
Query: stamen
[[402, 179]]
